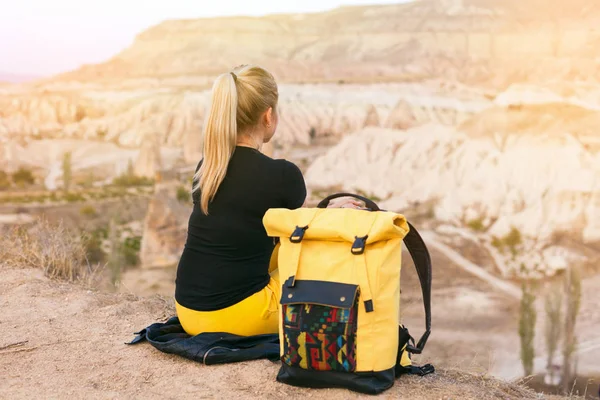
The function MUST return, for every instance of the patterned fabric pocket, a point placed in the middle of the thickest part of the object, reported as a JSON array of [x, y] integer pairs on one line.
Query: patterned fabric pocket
[[321, 337]]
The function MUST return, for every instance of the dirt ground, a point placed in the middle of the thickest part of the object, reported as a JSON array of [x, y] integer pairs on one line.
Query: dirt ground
[[61, 340]]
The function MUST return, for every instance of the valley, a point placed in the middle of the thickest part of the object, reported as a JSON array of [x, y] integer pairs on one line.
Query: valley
[[477, 119]]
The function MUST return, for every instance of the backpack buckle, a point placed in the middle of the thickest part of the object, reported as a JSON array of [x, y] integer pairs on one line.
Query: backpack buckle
[[418, 349], [358, 247], [298, 234]]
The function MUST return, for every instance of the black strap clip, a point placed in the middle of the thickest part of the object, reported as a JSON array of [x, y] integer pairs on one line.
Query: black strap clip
[[418, 349], [358, 247], [298, 234], [422, 370]]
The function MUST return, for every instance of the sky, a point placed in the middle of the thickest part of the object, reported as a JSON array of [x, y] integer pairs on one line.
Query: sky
[[45, 37]]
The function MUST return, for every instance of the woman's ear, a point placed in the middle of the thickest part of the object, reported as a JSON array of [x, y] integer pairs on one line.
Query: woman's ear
[[269, 117]]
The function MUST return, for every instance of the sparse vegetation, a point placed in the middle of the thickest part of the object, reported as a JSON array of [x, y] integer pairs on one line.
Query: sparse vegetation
[[476, 224], [527, 319], [23, 177], [73, 197], [4, 180], [130, 251], [93, 247], [127, 180], [58, 251], [513, 238], [88, 211], [183, 195], [512, 241]]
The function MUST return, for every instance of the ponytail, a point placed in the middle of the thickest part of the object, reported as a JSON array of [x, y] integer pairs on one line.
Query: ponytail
[[220, 138], [239, 98]]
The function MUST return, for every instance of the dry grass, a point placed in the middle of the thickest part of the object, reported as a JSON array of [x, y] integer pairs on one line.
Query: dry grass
[[60, 252]]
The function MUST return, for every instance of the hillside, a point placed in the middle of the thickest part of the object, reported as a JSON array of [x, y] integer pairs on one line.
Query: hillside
[[490, 185], [368, 43], [65, 341]]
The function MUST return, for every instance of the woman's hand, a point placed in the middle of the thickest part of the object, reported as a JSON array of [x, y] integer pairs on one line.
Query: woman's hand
[[345, 202]]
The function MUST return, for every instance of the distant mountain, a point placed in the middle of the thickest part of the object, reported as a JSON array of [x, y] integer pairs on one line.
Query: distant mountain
[[471, 39], [16, 78]]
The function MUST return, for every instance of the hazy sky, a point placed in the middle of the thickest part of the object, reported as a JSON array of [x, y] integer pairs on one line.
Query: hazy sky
[[43, 37]]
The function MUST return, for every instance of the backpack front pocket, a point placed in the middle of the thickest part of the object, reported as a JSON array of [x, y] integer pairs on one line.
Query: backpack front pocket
[[319, 325]]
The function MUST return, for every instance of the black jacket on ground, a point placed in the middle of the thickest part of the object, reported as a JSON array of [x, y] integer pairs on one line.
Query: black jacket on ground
[[208, 348]]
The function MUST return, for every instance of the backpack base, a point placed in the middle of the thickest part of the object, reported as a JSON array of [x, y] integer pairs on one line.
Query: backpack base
[[362, 382]]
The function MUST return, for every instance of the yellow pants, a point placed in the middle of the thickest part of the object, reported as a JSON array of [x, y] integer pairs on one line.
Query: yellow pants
[[255, 315]]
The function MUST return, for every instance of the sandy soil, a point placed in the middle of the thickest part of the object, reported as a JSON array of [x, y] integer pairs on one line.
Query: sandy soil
[[61, 340]]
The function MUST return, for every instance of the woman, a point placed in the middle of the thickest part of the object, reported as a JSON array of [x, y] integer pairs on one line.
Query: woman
[[223, 280]]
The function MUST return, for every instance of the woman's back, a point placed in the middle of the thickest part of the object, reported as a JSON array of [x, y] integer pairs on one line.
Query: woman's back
[[227, 253]]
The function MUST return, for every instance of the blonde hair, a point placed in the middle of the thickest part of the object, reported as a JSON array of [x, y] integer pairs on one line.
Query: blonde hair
[[238, 100]]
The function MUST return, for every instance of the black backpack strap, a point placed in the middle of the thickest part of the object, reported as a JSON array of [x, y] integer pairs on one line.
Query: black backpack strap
[[404, 340], [422, 260]]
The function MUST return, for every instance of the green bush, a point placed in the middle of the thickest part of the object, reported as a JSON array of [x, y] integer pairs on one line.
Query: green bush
[[130, 250], [183, 195], [23, 177]]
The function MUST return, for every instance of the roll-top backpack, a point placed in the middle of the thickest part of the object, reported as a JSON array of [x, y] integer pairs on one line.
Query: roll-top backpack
[[339, 323]]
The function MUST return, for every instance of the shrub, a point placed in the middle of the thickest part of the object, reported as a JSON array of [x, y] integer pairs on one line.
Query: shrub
[[183, 195], [4, 180], [512, 240], [130, 250], [74, 197], [23, 177], [476, 224], [58, 251], [88, 211], [93, 249], [127, 180]]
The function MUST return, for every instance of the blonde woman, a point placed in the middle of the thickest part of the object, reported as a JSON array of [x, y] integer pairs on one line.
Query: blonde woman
[[223, 280]]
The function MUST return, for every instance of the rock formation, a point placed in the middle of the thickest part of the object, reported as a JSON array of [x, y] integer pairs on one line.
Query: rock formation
[[372, 118], [468, 40], [518, 185], [149, 162], [177, 117], [192, 146], [164, 227], [401, 117]]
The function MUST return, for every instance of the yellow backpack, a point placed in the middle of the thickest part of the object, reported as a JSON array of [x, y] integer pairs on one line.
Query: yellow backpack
[[339, 323]]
